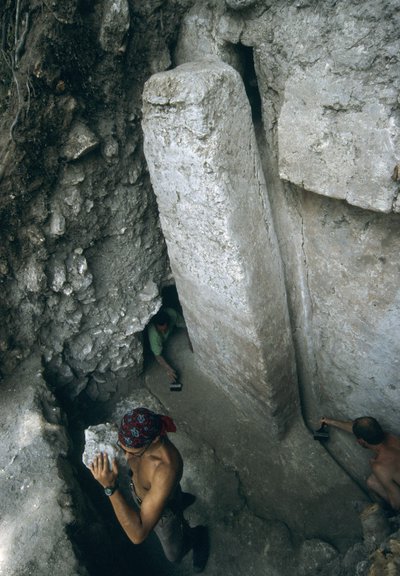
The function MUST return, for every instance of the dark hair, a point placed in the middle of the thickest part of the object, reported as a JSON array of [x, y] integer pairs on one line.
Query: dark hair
[[161, 318], [368, 429]]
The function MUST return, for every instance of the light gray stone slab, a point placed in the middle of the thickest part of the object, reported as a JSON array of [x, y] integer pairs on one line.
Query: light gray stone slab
[[216, 219], [337, 138]]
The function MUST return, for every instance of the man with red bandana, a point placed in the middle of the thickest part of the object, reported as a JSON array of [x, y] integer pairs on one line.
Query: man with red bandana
[[156, 469]]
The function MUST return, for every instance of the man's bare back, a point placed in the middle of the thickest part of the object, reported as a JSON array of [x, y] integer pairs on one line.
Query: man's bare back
[[385, 478]]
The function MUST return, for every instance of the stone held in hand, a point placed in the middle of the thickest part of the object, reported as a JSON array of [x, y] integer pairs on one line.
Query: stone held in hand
[[101, 438]]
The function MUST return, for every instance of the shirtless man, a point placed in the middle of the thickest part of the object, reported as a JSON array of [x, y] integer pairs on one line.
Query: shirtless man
[[385, 478], [156, 468]]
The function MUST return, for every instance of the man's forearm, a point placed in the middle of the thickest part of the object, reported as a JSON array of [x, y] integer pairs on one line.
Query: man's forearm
[[162, 361], [346, 425], [128, 518]]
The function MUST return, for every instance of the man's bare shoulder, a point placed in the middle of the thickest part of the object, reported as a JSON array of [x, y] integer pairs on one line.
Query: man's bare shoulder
[[167, 465], [393, 442]]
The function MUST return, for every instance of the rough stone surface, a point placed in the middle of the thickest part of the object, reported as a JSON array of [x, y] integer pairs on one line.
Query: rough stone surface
[[82, 256], [36, 505], [114, 25], [223, 254], [339, 138], [334, 296], [101, 438]]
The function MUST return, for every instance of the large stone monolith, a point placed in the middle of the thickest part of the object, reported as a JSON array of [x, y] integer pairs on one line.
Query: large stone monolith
[[205, 169]]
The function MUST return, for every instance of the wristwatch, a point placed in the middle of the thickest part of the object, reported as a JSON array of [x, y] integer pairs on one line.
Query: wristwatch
[[109, 490]]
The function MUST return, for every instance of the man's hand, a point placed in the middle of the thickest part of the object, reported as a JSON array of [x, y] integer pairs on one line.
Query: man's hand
[[345, 425], [100, 469], [325, 421], [172, 375]]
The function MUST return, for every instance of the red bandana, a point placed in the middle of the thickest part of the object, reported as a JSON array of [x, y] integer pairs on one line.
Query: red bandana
[[140, 426]]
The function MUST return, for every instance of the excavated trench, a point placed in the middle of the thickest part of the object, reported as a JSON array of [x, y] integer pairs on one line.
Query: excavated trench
[[217, 462], [274, 499]]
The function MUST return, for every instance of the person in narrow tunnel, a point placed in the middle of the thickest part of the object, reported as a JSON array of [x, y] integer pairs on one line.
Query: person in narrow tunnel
[[384, 482], [159, 330], [156, 468]]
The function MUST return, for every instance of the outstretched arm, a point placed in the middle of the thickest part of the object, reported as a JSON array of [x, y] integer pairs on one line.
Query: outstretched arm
[[167, 367], [346, 425]]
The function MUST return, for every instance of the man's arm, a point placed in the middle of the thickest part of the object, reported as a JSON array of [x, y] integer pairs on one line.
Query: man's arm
[[168, 368], [346, 425], [137, 525]]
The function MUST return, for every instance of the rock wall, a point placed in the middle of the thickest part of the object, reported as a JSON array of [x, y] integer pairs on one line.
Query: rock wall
[[82, 257], [329, 127], [37, 504]]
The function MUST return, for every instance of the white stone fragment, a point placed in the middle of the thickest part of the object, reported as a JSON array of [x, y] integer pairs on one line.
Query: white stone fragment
[[115, 24], [57, 223], [100, 438], [81, 141]]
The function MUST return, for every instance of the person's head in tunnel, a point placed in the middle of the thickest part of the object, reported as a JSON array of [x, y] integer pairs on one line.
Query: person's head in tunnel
[[368, 431], [161, 321]]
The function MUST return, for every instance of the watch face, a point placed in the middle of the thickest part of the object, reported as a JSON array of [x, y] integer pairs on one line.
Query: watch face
[[109, 491]]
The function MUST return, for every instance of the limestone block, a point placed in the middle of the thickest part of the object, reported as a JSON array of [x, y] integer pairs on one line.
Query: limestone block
[[72, 175], [57, 275], [57, 222], [110, 149], [81, 141], [337, 138], [211, 193], [78, 274], [73, 200], [114, 25], [81, 347]]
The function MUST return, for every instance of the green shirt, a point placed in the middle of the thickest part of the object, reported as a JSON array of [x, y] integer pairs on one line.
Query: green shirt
[[156, 338]]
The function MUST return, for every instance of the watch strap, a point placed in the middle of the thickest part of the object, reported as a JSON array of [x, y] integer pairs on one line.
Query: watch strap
[[109, 490]]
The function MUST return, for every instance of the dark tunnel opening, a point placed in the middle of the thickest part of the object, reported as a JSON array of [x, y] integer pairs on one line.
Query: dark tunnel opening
[[246, 55]]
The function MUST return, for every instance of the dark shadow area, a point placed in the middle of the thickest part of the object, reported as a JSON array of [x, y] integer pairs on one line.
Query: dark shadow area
[[250, 81]]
